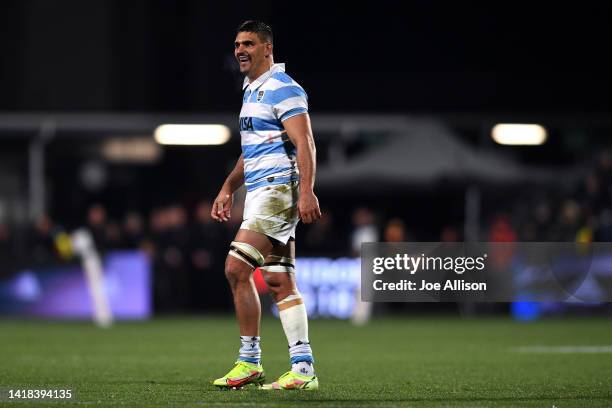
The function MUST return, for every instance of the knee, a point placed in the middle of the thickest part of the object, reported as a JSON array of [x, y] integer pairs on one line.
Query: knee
[[279, 285], [237, 272], [243, 258], [273, 283]]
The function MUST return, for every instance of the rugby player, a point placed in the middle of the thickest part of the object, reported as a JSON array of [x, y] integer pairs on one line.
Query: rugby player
[[277, 166]]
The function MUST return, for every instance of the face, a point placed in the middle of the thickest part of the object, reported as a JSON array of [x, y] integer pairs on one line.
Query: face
[[252, 54]]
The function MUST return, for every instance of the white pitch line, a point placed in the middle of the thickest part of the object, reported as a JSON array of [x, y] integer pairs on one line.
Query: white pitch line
[[564, 349]]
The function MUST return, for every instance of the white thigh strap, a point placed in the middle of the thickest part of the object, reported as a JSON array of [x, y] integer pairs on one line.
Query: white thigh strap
[[277, 263], [246, 253]]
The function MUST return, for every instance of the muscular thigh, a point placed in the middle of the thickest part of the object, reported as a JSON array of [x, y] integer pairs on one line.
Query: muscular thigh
[[261, 242], [287, 251]]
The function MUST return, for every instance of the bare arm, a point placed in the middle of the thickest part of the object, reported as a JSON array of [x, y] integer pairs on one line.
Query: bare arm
[[235, 178], [300, 133], [221, 209]]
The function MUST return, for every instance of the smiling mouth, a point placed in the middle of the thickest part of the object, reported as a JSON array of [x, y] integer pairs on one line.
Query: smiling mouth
[[243, 58]]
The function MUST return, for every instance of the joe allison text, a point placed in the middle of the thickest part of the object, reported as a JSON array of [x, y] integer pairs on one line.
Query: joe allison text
[[449, 285]]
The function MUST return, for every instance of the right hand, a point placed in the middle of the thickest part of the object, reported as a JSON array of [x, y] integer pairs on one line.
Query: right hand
[[222, 206]]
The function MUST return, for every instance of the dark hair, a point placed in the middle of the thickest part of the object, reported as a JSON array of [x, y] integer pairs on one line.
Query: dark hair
[[263, 31]]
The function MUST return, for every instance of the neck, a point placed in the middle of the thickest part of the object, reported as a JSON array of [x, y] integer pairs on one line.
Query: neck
[[265, 68]]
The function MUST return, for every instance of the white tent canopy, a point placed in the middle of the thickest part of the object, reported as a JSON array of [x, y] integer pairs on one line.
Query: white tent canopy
[[426, 152]]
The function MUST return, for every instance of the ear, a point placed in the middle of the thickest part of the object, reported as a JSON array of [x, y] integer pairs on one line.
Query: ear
[[269, 48]]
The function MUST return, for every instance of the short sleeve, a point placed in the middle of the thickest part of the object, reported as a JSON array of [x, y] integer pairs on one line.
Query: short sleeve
[[289, 101]]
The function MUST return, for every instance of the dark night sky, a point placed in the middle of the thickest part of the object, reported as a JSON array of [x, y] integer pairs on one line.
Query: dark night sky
[[391, 56]]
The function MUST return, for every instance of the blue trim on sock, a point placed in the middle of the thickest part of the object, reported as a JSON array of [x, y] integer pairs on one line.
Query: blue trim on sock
[[298, 359], [249, 360]]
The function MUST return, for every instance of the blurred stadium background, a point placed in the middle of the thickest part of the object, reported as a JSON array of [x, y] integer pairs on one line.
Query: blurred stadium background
[[403, 101]]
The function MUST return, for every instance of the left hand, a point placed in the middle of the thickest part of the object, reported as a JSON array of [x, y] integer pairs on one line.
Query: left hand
[[308, 207]]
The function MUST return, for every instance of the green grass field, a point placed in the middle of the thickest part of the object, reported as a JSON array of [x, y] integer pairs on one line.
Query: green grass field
[[424, 362]]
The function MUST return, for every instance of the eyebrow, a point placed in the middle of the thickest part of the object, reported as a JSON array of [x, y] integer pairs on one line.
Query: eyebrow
[[245, 42]]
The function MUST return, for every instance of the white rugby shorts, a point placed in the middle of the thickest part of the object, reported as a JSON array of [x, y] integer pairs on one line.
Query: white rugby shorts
[[272, 210]]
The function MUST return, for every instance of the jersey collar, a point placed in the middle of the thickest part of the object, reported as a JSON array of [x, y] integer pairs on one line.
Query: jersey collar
[[263, 77]]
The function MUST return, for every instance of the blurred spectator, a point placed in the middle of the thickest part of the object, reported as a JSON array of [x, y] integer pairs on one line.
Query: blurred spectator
[[542, 217], [603, 232], [5, 238], [364, 229], [40, 241], [537, 227], [174, 257], [208, 248], [112, 236], [133, 230], [153, 245], [586, 233], [96, 223], [6, 250], [321, 238], [395, 231], [604, 173], [502, 231], [569, 218], [449, 234], [205, 244], [591, 197]]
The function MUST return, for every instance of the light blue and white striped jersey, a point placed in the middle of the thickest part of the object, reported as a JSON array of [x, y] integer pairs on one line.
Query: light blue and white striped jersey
[[269, 156]]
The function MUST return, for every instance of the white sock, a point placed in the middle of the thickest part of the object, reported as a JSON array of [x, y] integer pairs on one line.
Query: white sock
[[250, 350], [292, 313], [303, 362]]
